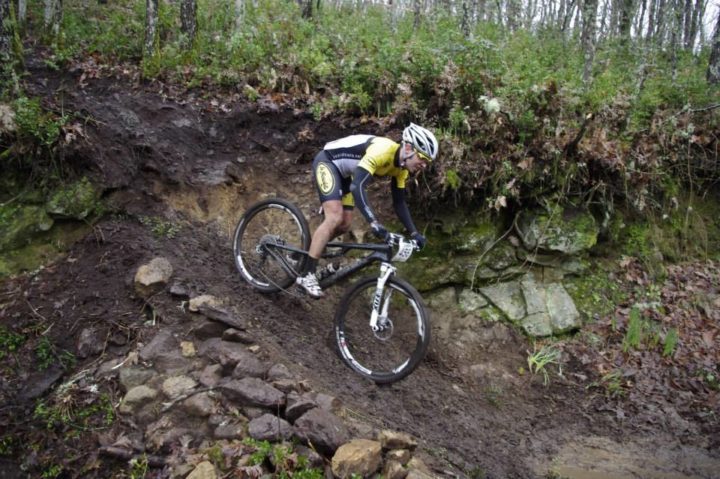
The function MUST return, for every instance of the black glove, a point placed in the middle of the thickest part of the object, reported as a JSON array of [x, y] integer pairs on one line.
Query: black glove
[[379, 231], [419, 239]]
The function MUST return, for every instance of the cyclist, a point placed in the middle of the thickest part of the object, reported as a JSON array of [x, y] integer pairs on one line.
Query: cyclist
[[342, 171]]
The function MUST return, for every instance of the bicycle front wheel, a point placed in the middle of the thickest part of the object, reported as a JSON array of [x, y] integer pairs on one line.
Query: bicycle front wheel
[[402, 337], [270, 243]]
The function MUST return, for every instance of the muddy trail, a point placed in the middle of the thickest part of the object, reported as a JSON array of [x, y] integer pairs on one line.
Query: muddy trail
[[196, 163]]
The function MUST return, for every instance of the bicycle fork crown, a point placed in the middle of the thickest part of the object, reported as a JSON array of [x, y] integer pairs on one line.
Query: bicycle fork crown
[[386, 270]]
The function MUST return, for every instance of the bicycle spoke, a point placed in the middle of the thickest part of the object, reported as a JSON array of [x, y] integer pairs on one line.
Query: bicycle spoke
[[396, 347], [262, 241]]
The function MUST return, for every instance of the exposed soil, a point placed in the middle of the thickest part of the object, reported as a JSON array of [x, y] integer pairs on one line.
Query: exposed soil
[[197, 163]]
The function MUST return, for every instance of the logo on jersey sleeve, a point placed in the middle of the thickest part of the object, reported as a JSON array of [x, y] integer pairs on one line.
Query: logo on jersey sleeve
[[325, 179]]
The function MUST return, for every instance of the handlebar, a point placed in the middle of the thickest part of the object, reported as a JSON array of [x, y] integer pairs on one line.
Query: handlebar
[[404, 246]]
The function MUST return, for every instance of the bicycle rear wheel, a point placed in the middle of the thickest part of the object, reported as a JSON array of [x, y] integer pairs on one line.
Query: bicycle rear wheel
[[263, 241], [395, 351]]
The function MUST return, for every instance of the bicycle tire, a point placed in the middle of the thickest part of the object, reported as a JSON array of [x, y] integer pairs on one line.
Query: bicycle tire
[[385, 357], [278, 220]]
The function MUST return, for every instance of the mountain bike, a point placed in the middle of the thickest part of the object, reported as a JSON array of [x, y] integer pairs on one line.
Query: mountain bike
[[381, 326]]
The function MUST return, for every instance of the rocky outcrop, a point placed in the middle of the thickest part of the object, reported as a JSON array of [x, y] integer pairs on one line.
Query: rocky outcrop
[[192, 394]]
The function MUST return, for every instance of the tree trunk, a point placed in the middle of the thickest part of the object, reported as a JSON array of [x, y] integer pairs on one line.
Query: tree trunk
[[713, 71], [588, 38], [188, 20], [22, 13], [151, 28], [416, 14], [239, 14], [52, 16], [6, 32], [627, 8]]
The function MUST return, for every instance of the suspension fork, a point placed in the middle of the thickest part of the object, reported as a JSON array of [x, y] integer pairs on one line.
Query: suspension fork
[[386, 270]]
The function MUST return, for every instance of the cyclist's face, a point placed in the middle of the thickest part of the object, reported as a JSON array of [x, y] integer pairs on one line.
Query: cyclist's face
[[416, 163]]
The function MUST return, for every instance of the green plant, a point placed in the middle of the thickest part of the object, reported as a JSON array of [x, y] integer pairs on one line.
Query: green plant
[[7, 445], [539, 360], [670, 342], [9, 341], [44, 353], [69, 411], [159, 227], [52, 472], [261, 450], [634, 333], [139, 467]]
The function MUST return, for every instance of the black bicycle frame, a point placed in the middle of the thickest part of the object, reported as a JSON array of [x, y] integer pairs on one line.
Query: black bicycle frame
[[380, 252]]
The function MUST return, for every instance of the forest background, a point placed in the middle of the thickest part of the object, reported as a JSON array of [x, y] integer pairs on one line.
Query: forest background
[[599, 104]]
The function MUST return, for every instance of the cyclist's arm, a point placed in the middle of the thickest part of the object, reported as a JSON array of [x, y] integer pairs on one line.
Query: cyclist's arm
[[400, 206], [361, 178]]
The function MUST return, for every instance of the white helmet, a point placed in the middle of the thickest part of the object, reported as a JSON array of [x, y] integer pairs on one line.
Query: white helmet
[[422, 140]]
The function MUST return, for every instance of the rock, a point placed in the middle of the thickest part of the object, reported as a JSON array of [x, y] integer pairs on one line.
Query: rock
[[78, 201], [550, 309], [562, 309], [179, 290], [417, 469], [187, 349], [250, 366], [216, 313], [508, 297], [232, 355], [298, 406], [401, 456], [566, 230], [210, 376], [396, 440], [165, 354], [253, 392], [394, 470], [314, 459], [136, 398], [131, 377], [279, 371], [21, 224], [7, 119], [444, 299], [152, 277], [176, 386], [236, 336], [229, 431], [204, 300], [201, 405], [470, 301], [40, 382], [327, 403], [207, 329], [322, 429], [269, 427], [204, 470], [358, 457], [90, 343]]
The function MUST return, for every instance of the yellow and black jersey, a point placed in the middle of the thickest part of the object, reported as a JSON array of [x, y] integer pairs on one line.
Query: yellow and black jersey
[[377, 155]]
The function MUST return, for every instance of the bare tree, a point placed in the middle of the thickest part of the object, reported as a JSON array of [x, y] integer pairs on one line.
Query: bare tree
[[52, 16], [6, 32], [713, 71], [22, 13], [588, 37], [188, 20], [151, 28]]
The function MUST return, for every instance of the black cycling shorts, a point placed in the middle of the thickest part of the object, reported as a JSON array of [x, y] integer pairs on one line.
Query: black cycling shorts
[[330, 185]]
